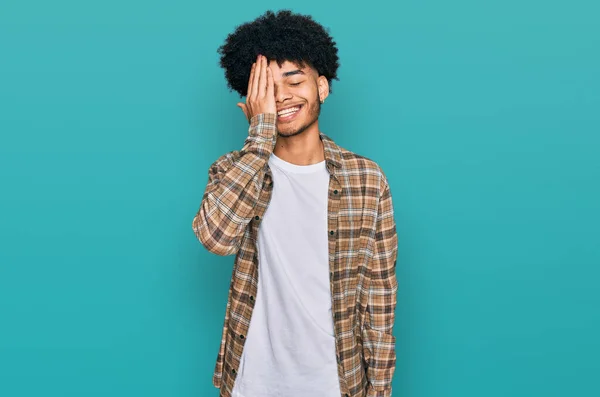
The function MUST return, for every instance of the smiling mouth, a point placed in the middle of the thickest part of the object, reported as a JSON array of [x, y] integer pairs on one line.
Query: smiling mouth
[[289, 114]]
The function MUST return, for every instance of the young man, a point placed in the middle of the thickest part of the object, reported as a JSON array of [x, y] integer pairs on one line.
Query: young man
[[310, 310]]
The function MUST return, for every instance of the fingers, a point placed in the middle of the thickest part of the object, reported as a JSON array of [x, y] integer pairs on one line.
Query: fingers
[[255, 81], [262, 79], [251, 80], [270, 84]]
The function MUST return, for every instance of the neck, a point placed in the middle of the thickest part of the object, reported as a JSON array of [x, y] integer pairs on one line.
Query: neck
[[303, 149]]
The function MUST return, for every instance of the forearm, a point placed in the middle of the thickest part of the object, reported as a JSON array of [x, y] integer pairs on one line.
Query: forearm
[[233, 189]]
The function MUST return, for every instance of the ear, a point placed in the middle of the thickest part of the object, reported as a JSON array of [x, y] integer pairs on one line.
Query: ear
[[323, 87]]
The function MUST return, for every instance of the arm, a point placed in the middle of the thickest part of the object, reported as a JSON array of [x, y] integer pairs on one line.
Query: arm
[[235, 179], [233, 189], [378, 342]]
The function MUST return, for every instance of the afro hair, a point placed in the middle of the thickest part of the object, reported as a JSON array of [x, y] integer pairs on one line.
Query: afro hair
[[281, 36]]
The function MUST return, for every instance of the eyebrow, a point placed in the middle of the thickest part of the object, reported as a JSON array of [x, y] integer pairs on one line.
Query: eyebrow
[[293, 72]]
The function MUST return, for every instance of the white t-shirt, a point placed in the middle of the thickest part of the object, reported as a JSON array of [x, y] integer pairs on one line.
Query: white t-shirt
[[290, 347]]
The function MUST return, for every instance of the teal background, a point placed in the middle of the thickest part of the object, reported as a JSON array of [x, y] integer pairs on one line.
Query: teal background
[[484, 116]]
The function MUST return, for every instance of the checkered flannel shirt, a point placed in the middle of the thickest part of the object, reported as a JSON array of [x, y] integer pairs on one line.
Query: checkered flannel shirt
[[362, 255]]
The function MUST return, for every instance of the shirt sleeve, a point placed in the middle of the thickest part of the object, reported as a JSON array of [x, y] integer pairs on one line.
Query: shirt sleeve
[[378, 342], [233, 189]]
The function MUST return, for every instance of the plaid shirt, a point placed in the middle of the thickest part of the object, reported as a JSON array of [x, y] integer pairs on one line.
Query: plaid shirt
[[362, 255]]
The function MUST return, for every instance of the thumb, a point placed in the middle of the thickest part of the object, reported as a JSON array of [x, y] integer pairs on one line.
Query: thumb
[[243, 107]]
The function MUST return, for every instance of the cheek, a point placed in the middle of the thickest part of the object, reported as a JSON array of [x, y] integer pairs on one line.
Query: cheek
[[308, 93]]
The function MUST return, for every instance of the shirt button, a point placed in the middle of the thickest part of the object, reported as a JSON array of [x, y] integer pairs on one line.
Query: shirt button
[[335, 191], [233, 371], [331, 232], [251, 298], [242, 336], [257, 217]]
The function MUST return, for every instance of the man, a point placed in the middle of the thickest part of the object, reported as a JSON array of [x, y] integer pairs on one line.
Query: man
[[310, 310]]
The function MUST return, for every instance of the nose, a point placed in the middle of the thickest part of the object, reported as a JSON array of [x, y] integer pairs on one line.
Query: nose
[[281, 94]]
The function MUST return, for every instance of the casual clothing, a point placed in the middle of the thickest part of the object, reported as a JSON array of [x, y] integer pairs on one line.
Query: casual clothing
[[361, 253], [290, 348]]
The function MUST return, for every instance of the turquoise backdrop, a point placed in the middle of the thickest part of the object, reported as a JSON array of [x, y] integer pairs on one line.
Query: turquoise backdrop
[[485, 115]]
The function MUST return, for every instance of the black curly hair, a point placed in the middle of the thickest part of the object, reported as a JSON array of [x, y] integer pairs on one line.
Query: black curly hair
[[281, 36]]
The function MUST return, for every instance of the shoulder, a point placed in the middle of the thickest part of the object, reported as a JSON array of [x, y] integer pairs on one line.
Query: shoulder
[[365, 168]]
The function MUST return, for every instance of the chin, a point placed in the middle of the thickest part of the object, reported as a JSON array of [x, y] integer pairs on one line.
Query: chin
[[287, 132]]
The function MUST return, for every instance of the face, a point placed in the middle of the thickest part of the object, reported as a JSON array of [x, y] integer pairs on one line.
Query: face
[[297, 87]]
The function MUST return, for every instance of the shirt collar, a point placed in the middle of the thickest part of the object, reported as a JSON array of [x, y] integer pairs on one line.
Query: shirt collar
[[332, 151]]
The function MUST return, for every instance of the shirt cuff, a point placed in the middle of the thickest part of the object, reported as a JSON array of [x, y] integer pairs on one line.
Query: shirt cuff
[[387, 392]]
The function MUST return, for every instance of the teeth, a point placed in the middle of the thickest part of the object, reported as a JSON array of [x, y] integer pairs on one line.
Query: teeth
[[288, 111]]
